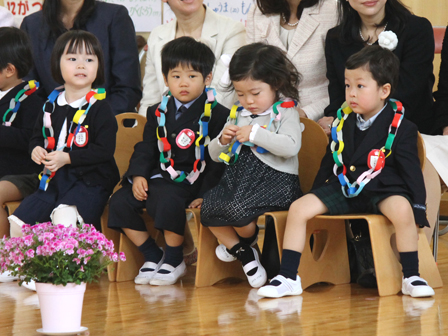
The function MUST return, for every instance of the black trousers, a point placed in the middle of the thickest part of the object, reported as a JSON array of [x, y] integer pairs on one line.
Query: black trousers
[[166, 204]]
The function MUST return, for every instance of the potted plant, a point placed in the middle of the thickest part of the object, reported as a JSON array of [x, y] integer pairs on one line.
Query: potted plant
[[61, 260]]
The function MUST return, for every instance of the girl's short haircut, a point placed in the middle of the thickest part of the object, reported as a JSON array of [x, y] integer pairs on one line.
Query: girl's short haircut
[[186, 51], [381, 63], [77, 41], [15, 48], [268, 64]]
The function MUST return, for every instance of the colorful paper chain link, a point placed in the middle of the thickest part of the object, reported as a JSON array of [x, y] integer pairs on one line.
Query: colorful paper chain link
[[15, 102], [48, 133], [351, 190], [231, 156], [201, 142]]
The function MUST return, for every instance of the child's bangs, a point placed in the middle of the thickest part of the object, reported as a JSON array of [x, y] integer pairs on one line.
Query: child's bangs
[[80, 45]]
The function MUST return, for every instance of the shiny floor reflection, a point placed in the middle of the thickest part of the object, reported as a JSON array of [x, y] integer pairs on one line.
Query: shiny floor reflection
[[233, 308]]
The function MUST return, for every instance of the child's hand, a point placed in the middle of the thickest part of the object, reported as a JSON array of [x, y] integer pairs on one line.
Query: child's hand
[[55, 160], [197, 203], [243, 133], [38, 155], [140, 188], [227, 134]]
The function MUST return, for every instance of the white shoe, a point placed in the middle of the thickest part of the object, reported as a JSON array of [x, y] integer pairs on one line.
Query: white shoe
[[286, 287], [161, 279], [30, 285], [6, 276], [144, 275], [260, 277], [223, 255], [407, 288]]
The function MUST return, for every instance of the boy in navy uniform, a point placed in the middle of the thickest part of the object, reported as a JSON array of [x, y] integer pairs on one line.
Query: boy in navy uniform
[[171, 168], [371, 166]]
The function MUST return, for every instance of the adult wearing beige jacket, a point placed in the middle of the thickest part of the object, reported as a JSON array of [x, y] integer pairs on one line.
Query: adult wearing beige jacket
[[222, 34], [298, 27]]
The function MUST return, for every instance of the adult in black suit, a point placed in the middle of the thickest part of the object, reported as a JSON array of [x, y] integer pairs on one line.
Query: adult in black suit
[[441, 96], [361, 24], [113, 27]]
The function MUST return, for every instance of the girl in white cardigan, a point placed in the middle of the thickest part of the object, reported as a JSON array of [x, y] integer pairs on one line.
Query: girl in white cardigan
[[259, 143]]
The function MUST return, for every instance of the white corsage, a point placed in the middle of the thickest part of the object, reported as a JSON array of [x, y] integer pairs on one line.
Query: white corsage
[[225, 79], [388, 40]]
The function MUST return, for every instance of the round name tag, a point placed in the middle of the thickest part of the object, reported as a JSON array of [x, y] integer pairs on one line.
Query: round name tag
[[376, 159], [82, 137], [185, 138]]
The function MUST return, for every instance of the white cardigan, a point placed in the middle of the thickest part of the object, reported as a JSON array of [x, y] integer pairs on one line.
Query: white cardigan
[[283, 146], [222, 34], [306, 51]]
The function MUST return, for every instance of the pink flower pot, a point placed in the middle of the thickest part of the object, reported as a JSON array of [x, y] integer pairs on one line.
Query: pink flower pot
[[60, 306]]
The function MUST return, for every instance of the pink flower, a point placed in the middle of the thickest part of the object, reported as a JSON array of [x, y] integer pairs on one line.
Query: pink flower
[[122, 256], [30, 253], [82, 269], [86, 260], [69, 252], [77, 261]]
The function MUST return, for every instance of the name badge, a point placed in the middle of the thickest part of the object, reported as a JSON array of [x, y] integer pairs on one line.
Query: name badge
[[82, 137], [376, 159], [185, 138]]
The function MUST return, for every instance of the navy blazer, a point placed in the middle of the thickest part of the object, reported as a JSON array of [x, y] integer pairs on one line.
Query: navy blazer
[[441, 96], [15, 139], [93, 163], [415, 50], [114, 29], [145, 159], [402, 173]]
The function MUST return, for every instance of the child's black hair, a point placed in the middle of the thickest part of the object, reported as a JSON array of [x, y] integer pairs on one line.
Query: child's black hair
[[74, 41], [15, 48], [268, 64], [380, 62], [186, 51]]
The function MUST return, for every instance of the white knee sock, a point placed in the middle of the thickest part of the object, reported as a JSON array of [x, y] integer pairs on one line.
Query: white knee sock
[[15, 226], [66, 215]]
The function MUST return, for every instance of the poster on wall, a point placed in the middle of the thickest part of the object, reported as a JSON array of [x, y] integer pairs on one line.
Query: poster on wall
[[21, 8], [235, 9], [146, 14]]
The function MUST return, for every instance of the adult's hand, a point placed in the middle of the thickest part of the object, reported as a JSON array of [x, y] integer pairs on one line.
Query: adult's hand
[[325, 123]]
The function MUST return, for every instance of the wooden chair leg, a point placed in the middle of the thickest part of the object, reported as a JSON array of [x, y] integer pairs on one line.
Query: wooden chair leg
[[210, 269], [115, 237], [328, 260], [387, 266]]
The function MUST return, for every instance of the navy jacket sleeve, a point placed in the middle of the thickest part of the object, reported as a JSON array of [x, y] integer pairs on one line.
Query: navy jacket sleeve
[[19, 134], [125, 89], [441, 96], [146, 155]]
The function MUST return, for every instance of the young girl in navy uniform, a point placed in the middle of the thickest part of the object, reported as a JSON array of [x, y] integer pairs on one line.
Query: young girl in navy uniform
[[73, 140], [19, 107], [259, 144], [171, 168], [380, 147]]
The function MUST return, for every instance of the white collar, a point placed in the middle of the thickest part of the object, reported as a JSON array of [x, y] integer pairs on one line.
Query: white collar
[[246, 113], [365, 125], [62, 101]]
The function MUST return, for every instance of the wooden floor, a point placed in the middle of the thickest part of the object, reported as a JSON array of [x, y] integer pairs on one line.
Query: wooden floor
[[234, 309]]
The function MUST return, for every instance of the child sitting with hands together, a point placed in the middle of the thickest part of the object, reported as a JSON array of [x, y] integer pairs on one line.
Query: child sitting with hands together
[[259, 145]]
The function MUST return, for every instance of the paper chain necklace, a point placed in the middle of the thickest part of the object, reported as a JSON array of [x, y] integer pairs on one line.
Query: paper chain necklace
[[232, 154], [14, 105], [47, 130], [201, 142], [351, 190]]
